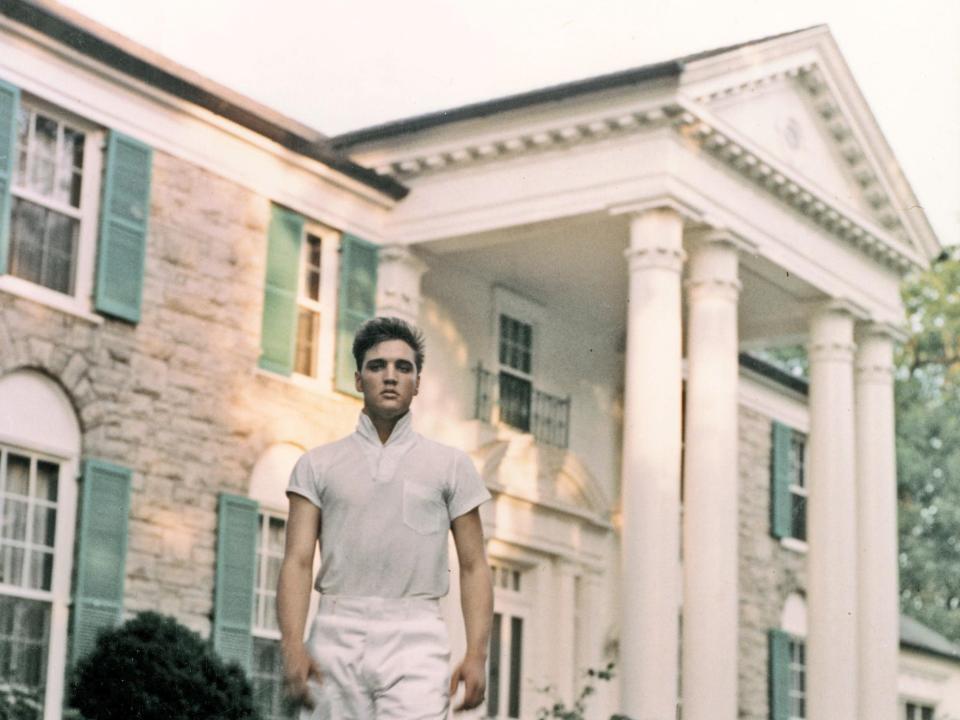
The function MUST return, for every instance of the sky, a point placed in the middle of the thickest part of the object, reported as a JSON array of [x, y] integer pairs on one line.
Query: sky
[[339, 65]]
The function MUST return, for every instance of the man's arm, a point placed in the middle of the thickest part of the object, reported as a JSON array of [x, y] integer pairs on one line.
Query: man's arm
[[293, 594], [476, 600]]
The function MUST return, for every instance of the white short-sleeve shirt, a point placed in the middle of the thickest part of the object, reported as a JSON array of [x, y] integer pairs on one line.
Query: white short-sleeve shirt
[[386, 510]]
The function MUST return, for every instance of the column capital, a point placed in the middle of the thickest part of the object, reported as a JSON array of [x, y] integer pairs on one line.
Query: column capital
[[831, 331], [714, 263], [720, 236], [404, 255], [872, 328], [874, 358], [656, 240], [662, 202], [398, 283]]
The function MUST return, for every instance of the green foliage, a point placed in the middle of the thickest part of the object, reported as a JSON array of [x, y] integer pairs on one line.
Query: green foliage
[[558, 710], [928, 447], [153, 668]]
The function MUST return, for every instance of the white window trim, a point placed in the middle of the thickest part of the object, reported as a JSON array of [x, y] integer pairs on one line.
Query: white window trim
[[513, 604], [507, 302], [59, 594], [325, 349], [81, 302]]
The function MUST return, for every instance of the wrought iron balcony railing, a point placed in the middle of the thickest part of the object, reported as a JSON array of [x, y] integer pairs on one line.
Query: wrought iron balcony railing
[[511, 399]]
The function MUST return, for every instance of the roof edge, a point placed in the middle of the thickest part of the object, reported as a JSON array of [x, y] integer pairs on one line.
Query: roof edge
[[773, 373], [120, 53], [485, 108]]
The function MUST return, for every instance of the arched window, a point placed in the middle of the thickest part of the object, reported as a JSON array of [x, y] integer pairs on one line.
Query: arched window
[[39, 463], [267, 486], [788, 663]]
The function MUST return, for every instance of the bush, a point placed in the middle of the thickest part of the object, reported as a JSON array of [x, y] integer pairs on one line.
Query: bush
[[153, 668], [558, 710]]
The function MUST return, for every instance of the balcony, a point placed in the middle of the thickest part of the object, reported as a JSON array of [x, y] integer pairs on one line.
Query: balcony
[[512, 400]]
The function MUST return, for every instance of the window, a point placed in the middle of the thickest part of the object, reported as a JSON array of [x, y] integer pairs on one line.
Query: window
[[917, 711], [788, 484], [309, 307], [798, 679], [798, 486], [300, 321], [316, 299], [267, 667], [29, 487], [505, 660], [516, 368], [54, 201]]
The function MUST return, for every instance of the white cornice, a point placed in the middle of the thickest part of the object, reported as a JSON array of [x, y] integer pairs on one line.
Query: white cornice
[[887, 242], [526, 143]]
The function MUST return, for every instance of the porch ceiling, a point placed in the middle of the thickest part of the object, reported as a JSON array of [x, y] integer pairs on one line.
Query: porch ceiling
[[575, 268]]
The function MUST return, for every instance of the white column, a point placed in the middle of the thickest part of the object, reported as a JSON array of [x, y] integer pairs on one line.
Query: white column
[[879, 614], [651, 469], [831, 520], [398, 283], [565, 630], [710, 505]]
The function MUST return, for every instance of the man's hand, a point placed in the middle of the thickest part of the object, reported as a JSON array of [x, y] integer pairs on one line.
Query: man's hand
[[298, 668], [471, 672]]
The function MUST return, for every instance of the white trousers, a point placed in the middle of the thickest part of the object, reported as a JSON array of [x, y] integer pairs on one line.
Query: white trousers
[[381, 659]]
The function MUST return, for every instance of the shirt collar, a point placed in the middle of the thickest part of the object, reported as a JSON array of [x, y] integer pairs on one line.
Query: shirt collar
[[401, 432]]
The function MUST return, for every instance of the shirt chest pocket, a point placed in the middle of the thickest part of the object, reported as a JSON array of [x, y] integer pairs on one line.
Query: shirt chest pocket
[[423, 508]]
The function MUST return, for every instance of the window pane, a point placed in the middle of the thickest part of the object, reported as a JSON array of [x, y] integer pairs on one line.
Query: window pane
[[516, 653], [11, 565], [44, 151], [276, 535], [18, 475], [47, 477], [24, 630], [43, 246], [60, 248], [306, 338], [798, 516], [515, 395], [23, 130], [44, 525], [14, 519], [41, 570], [267, 680], [493, 677], [26, 240], [68, 169]]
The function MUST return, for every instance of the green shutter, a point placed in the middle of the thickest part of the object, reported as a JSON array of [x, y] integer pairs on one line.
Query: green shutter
[[124, 216], [780, 510], [358, 303], [278, 330], [778, 675], [236, 577], [9, 108], [101, 553]]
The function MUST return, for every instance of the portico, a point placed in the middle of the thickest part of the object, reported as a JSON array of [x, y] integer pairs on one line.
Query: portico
[[682, 215]]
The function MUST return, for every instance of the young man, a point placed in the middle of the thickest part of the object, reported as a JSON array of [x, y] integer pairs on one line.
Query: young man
[[381, 502]]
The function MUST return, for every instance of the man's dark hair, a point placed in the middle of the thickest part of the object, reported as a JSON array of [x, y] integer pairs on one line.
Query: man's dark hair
[[379, 329]]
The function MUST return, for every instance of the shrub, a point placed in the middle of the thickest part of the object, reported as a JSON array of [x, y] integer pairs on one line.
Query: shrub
[[153, 668], [558, 710]]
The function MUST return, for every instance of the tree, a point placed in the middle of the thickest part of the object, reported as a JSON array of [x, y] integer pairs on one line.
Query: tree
[[928, 447]]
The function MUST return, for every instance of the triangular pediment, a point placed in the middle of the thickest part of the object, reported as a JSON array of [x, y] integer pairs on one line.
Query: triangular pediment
[[791, 103], [782, 119]]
